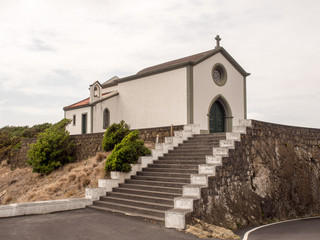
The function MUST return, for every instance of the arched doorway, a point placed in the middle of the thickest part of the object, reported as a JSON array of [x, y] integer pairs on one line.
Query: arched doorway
[[217, 117]]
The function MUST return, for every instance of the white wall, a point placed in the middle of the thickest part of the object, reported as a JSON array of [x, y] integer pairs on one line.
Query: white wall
[[205, 90], [110, 89], [154, 101], [76, 129], [98, 109]]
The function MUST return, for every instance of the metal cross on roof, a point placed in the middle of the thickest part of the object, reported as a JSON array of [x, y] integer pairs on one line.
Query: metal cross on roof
[[218, 39]]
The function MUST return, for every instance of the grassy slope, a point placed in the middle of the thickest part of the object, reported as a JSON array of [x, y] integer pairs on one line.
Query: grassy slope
[[70, 181]]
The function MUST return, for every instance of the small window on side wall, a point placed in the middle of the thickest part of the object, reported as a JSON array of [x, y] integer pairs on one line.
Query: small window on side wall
[[74, 120], [106, 118]]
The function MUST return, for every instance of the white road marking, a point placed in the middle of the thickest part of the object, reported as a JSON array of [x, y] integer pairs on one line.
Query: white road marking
[[245, 237]]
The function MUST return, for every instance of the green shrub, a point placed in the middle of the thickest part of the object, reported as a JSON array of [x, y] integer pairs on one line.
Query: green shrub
[[10, 137], [114, 135], [52, 149], [17, 146], [127, 152]]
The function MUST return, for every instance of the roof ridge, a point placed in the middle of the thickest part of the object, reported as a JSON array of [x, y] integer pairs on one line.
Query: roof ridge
[[190, 58]]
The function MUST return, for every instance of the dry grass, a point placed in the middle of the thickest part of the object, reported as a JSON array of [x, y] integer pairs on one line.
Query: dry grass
[[7, 199], [204, 230], [21, 185], [101, 156]]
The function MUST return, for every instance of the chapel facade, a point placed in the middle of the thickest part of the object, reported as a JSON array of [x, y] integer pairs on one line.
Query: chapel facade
[[207, 88]]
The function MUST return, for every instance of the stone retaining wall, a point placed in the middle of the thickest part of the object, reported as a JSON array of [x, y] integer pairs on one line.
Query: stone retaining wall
[[19, 157], [273, 173], [149, 135], [89, 144]]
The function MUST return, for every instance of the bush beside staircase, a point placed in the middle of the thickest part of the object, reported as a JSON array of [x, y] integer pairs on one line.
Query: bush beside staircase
[[164, 186]]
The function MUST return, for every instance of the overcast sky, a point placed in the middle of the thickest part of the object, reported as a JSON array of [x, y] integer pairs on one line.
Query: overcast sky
[[52, 50]]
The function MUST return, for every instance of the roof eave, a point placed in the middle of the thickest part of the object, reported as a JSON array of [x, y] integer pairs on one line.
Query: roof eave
[[181, 65], [153, 72], [77, 107], [234, 63], [96, 82], [111, 84], [103, 99]]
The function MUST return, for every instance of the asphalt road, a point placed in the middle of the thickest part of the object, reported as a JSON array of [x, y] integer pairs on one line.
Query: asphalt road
[[90, 224], [86, 224], [304, 229]]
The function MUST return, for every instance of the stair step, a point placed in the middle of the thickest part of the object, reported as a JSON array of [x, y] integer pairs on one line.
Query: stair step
[[197, 145], [157, 164], [203, 140], [165, 201], [135, 203], [163, 179], [151, 188], [169, 170], [184, 162], [146, 193], [211, 135], [200, 141], [130, 209], [164, 174], [143, 216], [181, 157], [190, 153], [155, 183]]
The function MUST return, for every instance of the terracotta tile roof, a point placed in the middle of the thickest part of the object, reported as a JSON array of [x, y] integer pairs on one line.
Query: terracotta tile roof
[[192, 58], [78, 104], [86, 102]]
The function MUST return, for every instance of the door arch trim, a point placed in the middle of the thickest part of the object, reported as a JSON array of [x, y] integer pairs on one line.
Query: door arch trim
[[228, 113]]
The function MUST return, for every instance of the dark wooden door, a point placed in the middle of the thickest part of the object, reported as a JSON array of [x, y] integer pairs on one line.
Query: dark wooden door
[[84, 124], [216, 118]]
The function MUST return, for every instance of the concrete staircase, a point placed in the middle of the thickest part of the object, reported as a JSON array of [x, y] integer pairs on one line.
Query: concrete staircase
[[165, 189], [151, 192]]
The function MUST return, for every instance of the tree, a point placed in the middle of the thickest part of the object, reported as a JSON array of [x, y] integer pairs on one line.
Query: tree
[[127, 152], [114, 135], [52, 149]]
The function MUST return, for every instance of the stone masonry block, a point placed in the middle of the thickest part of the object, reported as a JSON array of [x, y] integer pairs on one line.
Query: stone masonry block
[[156, 153], [191, 190], [207, 169], [175, 218], [245, 122], [95, 193], [239, 129], [178, 134], [199, 179], [159, 146], [168, 140], [145, 160], [184, 202], [108, 184], [224, 152], [215, 160], [233, 136], [227, 143]]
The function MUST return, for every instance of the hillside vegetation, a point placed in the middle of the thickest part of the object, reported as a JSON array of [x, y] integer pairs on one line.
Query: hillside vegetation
[[53, 174], [10, 137], [69, 181]]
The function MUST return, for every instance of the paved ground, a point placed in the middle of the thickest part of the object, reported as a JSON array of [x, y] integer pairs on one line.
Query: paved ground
[[85, 224], [305, 229], [92, 224]]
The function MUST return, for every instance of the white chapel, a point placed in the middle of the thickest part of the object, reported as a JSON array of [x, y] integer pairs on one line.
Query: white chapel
[[207, 88]]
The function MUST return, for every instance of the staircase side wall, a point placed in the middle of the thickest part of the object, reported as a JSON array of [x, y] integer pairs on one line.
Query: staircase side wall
[[273, 173]]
